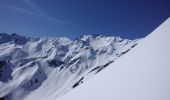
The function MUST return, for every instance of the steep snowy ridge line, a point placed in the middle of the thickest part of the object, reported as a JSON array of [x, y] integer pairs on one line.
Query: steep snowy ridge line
[[141, 74], [44, 68]]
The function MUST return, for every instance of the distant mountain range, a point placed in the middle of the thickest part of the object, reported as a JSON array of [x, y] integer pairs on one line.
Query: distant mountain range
[[44, 68]]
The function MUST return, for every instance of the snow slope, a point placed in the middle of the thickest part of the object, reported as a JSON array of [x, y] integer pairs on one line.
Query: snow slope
[[142, 74], [46, 68]]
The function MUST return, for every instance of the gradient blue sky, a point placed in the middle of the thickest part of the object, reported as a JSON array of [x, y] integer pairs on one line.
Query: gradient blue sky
[[72, 18]]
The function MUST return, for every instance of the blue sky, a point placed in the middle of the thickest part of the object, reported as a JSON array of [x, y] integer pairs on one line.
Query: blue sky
[[73, 18]]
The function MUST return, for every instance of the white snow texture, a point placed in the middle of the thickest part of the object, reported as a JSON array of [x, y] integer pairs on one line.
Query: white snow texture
[[142, 74], [47, 68]]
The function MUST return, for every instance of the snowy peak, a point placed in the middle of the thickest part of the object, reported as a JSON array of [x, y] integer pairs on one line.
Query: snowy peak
[[5, 38], [32, 68]]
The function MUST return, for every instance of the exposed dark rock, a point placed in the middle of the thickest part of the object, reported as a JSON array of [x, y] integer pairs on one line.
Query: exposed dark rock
[[133, 46], [5, 98], [87, 47], [74, 69], [122, 53], [99, 68], [5, 71], [32, 64], [120, 40], [117, 54], [36, 80], [55, 63], [94, 69], [78, 83], [2, 98], [61, 68], [104, 66], [2, 63], [39, 72]]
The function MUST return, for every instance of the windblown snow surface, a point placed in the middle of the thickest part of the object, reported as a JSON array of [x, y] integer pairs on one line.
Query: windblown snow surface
[[47, 68], [142, 74]]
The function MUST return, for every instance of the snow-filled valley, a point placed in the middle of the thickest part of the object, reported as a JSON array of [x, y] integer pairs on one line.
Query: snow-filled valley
[[47, 68]]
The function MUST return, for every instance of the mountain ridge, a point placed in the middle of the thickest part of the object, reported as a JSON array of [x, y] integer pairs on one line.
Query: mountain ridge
[[52, 66]]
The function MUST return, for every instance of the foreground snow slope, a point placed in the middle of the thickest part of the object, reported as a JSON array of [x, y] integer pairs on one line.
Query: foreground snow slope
[[142, 74]]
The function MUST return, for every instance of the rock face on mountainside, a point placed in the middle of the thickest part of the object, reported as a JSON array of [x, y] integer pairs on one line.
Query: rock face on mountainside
[[32, 68]]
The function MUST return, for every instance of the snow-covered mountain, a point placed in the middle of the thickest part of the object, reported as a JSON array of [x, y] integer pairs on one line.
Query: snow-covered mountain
[[45, 68], [142, 74]]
